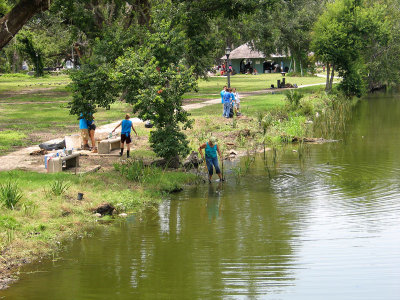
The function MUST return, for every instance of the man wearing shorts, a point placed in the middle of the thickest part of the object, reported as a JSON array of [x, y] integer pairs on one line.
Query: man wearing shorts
[[126, 126]]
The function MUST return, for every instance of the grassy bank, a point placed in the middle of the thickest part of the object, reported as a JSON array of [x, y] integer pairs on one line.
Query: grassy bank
[[34, 110], [313, 114], [48, 211], [39, 211]]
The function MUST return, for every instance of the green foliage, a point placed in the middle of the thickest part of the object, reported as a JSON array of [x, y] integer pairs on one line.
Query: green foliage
[[294, 97], [92, 86], [136, 170], [10, 138], [158, 179], [10, 194], [8, 222], [28, 47], [343, 33], [58, 187], [169, 142]]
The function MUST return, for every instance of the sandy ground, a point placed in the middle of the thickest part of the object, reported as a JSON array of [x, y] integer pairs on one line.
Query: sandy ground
[[21, 159]]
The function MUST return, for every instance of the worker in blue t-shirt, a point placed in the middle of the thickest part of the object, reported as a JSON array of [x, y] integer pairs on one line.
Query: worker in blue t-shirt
[[126, 126], [211, 149], [84, 129], [228, 99], [222, 98]]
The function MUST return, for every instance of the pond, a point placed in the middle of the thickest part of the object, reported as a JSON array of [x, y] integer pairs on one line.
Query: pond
[[320, 223]]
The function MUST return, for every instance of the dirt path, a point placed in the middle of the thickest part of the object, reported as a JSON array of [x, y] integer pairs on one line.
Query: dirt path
[[21, 159]]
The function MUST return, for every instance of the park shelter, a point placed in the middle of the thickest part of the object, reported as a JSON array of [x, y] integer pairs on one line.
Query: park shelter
[[244, 58]]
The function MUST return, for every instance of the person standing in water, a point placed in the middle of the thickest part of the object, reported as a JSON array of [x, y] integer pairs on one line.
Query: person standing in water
[[126, 126], [211, 149]]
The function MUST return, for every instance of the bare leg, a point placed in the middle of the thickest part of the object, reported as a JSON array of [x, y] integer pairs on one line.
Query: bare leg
[[91, 133]]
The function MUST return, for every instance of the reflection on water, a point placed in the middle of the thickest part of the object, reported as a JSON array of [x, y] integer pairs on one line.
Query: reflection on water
[[325, 226]]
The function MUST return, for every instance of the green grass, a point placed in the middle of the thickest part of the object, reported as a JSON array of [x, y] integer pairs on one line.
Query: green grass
[[49, 211], [24, 82], [210, 89], [30, 121]]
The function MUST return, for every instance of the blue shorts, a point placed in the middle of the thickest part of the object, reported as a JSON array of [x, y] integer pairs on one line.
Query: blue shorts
[[212, 161]]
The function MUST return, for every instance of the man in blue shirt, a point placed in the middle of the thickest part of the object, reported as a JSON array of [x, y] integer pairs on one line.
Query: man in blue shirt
[[222, 98], [126, 126], [228, 98]]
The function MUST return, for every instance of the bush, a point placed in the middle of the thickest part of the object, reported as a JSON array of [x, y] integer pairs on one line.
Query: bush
[[169, 142], [294, 97], [136, 171], [10, 194], [58, 187]]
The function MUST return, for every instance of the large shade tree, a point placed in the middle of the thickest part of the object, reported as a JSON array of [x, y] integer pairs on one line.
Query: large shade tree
[[344, 35]]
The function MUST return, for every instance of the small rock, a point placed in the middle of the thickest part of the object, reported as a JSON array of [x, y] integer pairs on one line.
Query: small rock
[[97, 215], [123, 215], [294, 150]]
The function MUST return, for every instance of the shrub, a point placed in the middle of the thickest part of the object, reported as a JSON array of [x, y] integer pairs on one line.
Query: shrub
[[59, 187], [10, 194], [294, 97]]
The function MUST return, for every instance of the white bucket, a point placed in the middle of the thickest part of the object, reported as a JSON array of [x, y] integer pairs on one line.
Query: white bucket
[[73, 141]]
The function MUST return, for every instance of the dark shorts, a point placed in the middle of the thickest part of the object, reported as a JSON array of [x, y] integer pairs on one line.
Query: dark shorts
[[126, 138], [92, 127]]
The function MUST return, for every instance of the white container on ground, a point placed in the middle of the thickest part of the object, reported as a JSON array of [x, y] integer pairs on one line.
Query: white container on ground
[[73, 141], [47, 157]]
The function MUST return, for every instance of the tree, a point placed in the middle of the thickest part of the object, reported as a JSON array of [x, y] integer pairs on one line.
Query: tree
[[286, 26], [342, 36], [149, 73], [21, 13], [34, 53]]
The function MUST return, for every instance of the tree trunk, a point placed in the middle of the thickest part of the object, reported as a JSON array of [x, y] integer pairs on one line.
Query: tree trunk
[[12, 22], [332, 75], [328, 72], [301, 69], [294, 65]]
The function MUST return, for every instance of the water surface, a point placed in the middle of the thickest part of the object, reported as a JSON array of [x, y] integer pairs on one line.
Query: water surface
[[323, 223]]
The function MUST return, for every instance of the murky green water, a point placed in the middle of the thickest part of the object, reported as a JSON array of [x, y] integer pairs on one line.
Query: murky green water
[[323, 227]]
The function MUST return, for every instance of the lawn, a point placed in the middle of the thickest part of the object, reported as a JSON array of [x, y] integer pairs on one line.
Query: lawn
[[210, 88], [34, 110]]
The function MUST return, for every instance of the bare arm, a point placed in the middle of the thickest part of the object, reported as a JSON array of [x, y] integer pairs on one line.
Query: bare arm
[[134, 130], [117, 126], [201, 150], [219, 152]]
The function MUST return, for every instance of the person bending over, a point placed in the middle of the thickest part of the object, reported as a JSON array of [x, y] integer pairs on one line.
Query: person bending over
[[211, 149], [126, 126]]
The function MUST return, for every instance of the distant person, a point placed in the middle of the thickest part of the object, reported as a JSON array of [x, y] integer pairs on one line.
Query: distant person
[[126, 126], [255, 71], [228, 98], [222, 98], [91, 129], [84, 129], [211, 149]]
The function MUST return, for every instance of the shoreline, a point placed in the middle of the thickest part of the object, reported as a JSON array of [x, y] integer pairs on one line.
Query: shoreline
[[79, 216]]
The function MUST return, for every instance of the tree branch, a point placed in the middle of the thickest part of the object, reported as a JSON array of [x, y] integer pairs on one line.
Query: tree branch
[[12, 22]]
